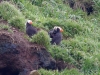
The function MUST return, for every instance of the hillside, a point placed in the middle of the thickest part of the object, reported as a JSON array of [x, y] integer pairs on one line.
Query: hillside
[[80, 20]]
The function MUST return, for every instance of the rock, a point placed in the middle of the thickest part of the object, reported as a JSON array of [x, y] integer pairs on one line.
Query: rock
[[45, 59], [24, 72], [34, 72]]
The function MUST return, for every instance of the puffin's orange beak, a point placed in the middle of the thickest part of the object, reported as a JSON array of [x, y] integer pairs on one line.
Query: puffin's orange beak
[[61, 30]]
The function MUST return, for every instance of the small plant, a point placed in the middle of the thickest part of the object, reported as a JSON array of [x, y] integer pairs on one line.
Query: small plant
[[8, 10], [57, 52], [42, 38], [4, 27], [71, 72], [51, 24], [18, 22], [61, 53], [64, 72], [37, 2], [28, 15], [10, 13], [20, 6], [90, 66], [45, 72], [72, 28]]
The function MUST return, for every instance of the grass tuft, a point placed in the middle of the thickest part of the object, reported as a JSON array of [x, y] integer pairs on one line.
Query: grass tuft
[[18, 22], [42, 38]]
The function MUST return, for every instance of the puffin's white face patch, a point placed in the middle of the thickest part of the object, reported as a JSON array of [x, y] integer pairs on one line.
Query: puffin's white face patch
[[29, 21], [59, 28]]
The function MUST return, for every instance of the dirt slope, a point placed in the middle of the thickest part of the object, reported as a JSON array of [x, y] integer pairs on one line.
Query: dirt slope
[[18, 56]]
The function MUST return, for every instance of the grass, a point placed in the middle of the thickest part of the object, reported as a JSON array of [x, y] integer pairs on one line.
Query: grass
[[81, 40], [42, 38], [5, 27], [10, 13], [8, 10], [65, 72], [18, 22]]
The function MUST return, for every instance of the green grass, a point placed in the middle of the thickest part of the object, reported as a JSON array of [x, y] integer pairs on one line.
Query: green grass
[[81, 36], [18, 22], [42, 38], [56, 72], [12, 14], [5, 27], [8, 10]]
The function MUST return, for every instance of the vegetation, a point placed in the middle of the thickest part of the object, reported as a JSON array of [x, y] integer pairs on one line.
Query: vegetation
[[81, 40], [5, 27], [18, 22], [10, 13], [65, 72], [42, 38]]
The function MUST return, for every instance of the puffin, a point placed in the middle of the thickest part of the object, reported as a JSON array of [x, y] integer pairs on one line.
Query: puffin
[[56, 35], [30, 30]]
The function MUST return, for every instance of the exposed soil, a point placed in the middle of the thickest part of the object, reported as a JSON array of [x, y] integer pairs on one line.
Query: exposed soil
[[3, 21], [18, 56]]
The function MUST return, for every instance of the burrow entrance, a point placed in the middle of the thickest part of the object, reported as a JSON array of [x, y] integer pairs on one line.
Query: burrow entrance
[[8, 70]]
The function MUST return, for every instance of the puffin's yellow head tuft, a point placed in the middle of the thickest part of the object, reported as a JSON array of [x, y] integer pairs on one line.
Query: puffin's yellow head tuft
[[61, 30], [30, 22]]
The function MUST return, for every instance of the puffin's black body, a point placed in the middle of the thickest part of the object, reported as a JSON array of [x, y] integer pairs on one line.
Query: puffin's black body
[[30, 30], [56, 36], [51, 33]]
